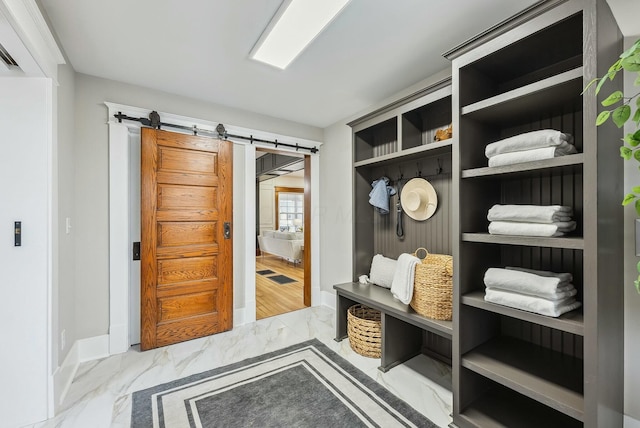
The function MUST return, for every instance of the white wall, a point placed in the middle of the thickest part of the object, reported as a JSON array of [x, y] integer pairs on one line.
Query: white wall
[[91, 179], [66, 202], [25, 195], [631, 297], [335, 208], [267, 198]]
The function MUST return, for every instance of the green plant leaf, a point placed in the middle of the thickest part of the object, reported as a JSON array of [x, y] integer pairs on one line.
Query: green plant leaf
[[620, 115], [638, 206], [636, 155], [636, 135], [600, 83], [628, 198], [626, 153], [637, 284], [638, 267], [631, 63], [636, 117], [602, 117], [631, 140], [591, 83], [616, 97], [637, 82], [636, 189], [629, 52]]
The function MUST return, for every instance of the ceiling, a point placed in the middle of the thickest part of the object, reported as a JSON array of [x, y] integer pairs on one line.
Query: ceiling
[[199, 49]]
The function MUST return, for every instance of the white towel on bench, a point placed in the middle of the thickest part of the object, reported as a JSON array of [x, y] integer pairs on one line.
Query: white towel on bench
[[402, 285]]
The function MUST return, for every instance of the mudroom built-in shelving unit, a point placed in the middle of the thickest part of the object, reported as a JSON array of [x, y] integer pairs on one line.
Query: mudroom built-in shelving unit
[[511, 367], [398, 141]]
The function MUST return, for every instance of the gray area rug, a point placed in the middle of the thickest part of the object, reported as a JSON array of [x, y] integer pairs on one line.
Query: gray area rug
[[281, 279], [304, 385]]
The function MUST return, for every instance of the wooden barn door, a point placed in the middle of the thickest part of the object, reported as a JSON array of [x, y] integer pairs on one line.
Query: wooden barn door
[[186, 245]]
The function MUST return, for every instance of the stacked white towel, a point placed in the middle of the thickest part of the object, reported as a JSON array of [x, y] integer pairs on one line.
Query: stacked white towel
[[545, 293], [531, 220], [530, 146]]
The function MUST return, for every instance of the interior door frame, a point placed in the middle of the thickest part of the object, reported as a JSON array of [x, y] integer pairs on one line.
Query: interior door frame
[[117, 341]]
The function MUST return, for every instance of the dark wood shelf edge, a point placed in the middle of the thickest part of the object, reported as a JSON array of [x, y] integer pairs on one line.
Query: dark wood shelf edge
[[559, 162], [382, 300], [570, 243], [437, 148], [571, 322]]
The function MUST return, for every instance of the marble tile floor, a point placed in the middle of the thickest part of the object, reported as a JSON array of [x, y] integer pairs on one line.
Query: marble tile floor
[[100, 395]]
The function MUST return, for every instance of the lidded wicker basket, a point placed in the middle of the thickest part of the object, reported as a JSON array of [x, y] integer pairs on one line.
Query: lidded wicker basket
[[433, 286], [364, 330]]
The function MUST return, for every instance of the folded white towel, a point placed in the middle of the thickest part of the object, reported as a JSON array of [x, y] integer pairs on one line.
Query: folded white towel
[[527, 141], [530, 213], [402, 285], [382, 270], [531, 229], [524, 282], [531, 155], [563, 276], [531, 304], [560, 294]]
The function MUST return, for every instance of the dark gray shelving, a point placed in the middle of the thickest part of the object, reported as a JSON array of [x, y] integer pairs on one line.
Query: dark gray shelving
[[573, 243], [381, 299], [526, 168], [431, 149], [571, 322], [500, 407], [555, 90], [547, 376]]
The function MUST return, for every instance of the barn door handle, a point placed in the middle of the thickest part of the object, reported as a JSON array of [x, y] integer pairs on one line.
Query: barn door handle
[[227, 230]]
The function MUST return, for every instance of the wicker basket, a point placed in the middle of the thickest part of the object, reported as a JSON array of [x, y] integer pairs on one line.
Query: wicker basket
[[363, 328], [433, 287]]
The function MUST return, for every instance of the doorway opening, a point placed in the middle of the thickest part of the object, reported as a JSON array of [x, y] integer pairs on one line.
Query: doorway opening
[[282, 235]]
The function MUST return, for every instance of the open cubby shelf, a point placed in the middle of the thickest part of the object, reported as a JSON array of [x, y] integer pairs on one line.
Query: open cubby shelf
[[544, 375], [555, 90], [571, 322], [575, 243], [499, 407], [526, 169], [431, 149]]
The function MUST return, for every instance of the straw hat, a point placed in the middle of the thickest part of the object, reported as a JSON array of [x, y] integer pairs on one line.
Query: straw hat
[[419, 199]]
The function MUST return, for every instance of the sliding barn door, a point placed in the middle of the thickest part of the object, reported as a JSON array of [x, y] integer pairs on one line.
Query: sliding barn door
[[186, 248]]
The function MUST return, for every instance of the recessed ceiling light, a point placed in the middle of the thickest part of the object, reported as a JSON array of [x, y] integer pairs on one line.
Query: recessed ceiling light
[[292, 28]]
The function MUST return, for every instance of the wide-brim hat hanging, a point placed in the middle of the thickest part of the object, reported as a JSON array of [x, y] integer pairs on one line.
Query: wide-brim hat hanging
[[419, 199]]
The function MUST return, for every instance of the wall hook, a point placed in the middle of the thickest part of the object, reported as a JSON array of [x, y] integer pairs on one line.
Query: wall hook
[[439, 169]]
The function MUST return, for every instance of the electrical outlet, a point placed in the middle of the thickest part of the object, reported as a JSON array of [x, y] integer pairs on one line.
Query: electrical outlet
[[63, 339]]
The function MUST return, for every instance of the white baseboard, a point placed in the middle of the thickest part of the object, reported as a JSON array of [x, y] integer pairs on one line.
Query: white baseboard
[[118, 339], [242, 316], [329, 299], [630, 422], [82, 350], [93, 348], [64, 375]]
